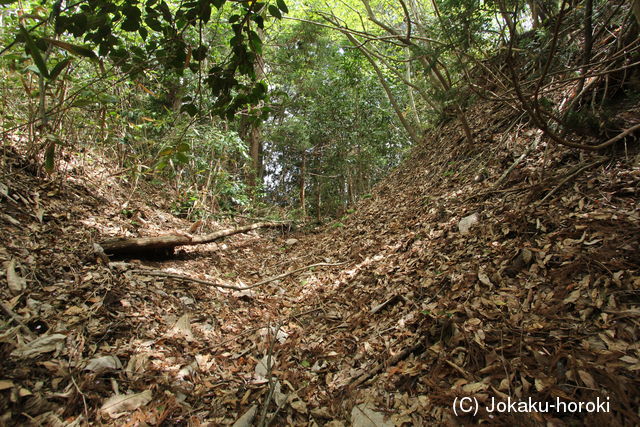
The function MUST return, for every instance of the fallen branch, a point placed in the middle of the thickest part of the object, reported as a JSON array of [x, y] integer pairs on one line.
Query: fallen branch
[[124, 245], [158, 273]]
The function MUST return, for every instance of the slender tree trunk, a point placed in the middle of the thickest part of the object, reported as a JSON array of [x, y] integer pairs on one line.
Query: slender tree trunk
[[250, 131], [635, 8], [318, 201], [255, 142], [392, 99], [410, 89], [303, 171], [533, 5], [588, 42]]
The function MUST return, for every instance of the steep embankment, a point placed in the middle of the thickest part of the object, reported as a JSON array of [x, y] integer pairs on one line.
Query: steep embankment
[[538, 300]]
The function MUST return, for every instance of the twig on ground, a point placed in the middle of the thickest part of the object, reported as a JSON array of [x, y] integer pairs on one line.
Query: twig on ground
[[158, 273], [84, 400], [17, 319], [272, 385]]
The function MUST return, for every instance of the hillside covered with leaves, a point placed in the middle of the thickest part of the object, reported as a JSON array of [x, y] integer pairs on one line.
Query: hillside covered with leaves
[[451, 189]]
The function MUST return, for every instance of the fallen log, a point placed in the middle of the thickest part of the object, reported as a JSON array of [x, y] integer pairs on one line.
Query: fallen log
[[166, 244]]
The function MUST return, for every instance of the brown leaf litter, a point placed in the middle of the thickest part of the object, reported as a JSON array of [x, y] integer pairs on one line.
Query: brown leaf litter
[[539, 299]]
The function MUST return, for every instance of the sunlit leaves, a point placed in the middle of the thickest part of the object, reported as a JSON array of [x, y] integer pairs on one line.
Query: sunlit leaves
[[139, 35]]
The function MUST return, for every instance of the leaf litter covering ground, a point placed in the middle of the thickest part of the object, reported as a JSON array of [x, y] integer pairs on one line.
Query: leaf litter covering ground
[[539, 299]]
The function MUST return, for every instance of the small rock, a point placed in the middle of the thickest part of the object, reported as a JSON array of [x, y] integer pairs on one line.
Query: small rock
[[467, 222], [247, 418], [364, 416], [290, 242]]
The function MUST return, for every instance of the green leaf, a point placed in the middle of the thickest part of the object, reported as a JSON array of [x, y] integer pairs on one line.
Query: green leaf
[[35, 52], [259, 20], [200, 53], [166, 12], [161, 165], [275, 12], [130, 24], [6, 2], [218, 3], [236, 40], [254, 42], [182, 158], [153, 23], [33, 68], [282, 6], [59, 67], [105, 99], [132, 20], [184, 147], [49, 156], [72, 48], [143, 32], [83, 102], [205, 11]]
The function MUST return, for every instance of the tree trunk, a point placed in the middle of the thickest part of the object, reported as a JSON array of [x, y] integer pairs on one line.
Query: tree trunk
[[253, 134], [318, 202], [635, 7], [151, 245], [303, 168]]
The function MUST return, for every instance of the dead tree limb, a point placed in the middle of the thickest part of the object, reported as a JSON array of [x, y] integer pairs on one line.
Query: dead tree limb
[[140, 245]]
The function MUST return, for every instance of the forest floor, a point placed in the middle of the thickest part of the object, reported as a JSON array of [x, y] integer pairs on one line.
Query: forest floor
[[539, 298]]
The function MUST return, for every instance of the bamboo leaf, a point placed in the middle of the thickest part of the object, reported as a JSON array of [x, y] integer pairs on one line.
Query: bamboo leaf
[[35, 52], [72, 48], [59, 67]]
